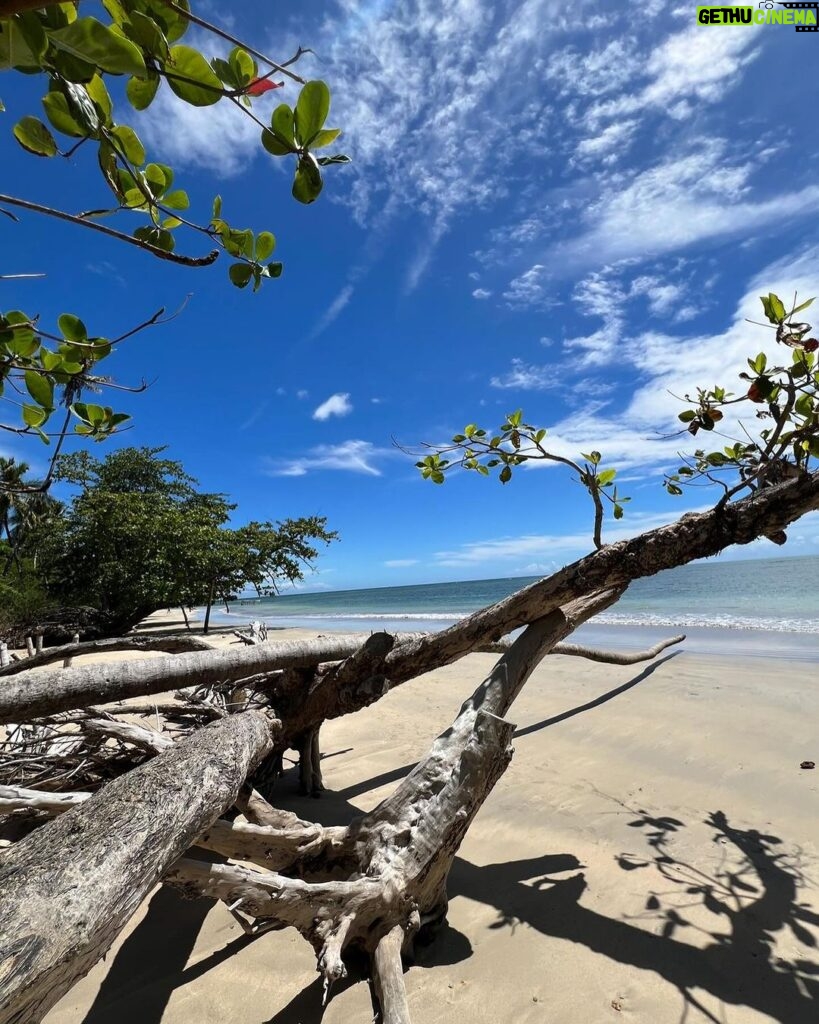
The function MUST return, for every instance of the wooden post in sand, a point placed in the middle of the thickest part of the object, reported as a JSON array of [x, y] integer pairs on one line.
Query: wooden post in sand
[[4, 655], [75, 640]]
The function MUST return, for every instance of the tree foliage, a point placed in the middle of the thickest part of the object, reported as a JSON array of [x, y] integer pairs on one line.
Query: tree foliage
[[784, 398], [140, 535], [85, 63]]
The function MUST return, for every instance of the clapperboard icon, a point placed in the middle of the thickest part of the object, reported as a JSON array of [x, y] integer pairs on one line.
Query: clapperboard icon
[[814, 6]]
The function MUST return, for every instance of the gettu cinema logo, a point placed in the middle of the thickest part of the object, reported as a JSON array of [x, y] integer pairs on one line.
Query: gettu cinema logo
[[803, 16]]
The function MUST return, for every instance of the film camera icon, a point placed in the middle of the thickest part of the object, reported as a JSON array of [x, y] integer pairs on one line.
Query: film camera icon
[[812, 6]]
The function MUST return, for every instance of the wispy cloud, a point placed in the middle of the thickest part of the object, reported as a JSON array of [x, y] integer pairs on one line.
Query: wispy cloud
[[349, 456], [545, 548], [336, 405], [400, 563], [481, 293], [332, 312], [527, 377]]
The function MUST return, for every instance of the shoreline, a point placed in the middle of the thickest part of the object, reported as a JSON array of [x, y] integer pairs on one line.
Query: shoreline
[[708, 641]]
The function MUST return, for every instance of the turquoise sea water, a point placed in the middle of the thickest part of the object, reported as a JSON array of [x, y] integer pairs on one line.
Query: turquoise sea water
[[764, 604]]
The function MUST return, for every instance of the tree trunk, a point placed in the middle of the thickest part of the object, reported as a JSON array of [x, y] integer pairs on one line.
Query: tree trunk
[[206, 625], [136, 642], [43, 693], [69, 888]]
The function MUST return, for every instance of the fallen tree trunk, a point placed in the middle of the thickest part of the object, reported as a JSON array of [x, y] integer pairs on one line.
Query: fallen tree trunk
[[69, 888], [398, 856], [345, 688], [160, 644], [44, 693]]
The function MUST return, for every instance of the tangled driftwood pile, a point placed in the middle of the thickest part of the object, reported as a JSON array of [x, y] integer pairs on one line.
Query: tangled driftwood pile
[[123, 800]]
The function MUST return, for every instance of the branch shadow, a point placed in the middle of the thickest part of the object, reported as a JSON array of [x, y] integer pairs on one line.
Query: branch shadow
[[754, 891], [598, 701]]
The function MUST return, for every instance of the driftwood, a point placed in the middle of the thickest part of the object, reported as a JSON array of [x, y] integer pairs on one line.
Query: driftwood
[[371, 886], [69, 888], [137, 642]]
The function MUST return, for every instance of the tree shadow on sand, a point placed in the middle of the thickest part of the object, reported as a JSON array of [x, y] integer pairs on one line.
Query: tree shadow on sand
[[753, 894]]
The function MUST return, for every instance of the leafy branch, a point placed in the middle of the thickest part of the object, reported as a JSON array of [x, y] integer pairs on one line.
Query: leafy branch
[[786, 402]]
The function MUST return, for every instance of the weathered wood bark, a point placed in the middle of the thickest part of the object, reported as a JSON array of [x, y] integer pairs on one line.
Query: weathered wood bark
[[388, 978], [400, 854], [159, 644], [616, 657], [46, 692], [18, 798], [69, 888], [344, 688]]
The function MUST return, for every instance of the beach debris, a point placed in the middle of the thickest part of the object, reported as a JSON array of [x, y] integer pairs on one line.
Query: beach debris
[[808, 764]]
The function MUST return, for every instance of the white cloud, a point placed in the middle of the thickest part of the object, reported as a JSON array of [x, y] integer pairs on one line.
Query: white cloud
[[527, 377], [400, 563], [541, 547], [302, 393], [481, 293], [349, 456], [336, 405], [611, 142], [332, 312], [686, 66], [597, 72], [531, 289], [683, 200]]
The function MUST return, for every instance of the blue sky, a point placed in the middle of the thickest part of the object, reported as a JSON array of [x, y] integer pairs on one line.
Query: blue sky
[[565, 208]]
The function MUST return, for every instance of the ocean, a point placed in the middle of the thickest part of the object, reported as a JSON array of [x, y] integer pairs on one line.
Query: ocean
[[768, 607]]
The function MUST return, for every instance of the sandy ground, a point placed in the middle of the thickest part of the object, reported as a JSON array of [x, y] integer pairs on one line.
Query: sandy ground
[[651, 855]]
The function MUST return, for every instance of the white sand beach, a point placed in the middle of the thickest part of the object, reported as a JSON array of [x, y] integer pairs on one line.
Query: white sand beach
[[651, 855]]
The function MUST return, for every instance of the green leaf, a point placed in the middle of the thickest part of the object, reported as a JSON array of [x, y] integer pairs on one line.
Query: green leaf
[[197, 84], [777, 307], [687, 415], [91, 41], [274, 145], [33, 135], [242, 65], [618, 511], [81, 108], [606, 477], [281, 121], [325, 137], [265, 244], [141, 91], [34, 415], [40, 388], [240, 274], [804, 305], [157, 237], [673, 489], [130, 144], [226, 73], [15, 51], [156, 178], [312, 108], [173, 25], [505, 475], [146, 32], [72, 328], [56, 108], [274, 269], [307, 183], [98, 92], [176, 200]]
